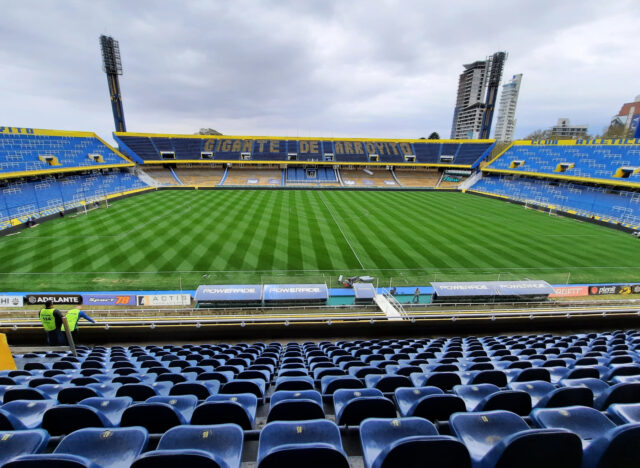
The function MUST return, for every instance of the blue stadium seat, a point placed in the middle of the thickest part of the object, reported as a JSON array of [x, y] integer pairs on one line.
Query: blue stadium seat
[[295, 406], [157, 418], [238, 409], [618, 393], [528, 375], [428, 402], [106, 448], [64, 419], [22, 392], [604, 444], [330, 383], [196, 446], [23, 414], [597, 386], [409, 443], [72, 395], [111, 408], [387, 383], [488, 397], [502, 438], [623, 413], [202, 390], [321, 371], [443, 380], [16, 443], [141, 392], [255, 386], [546, 395], [294, 383], [354, 406], [495, 377], [313, 444], [221, 376], [184, 404]]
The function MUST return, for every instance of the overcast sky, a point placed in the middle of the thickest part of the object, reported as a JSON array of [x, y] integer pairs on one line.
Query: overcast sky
[[363, 68]]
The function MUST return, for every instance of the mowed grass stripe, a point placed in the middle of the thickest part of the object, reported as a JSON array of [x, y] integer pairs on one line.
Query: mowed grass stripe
[[379, 238], [430, 245]]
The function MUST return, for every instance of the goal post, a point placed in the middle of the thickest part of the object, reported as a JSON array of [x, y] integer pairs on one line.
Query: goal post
[[94, 203]]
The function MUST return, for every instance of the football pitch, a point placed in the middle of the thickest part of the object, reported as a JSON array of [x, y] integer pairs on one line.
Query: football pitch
[[170, 240]]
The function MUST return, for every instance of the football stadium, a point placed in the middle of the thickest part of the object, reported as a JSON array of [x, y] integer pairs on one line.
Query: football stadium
[[285, 301]]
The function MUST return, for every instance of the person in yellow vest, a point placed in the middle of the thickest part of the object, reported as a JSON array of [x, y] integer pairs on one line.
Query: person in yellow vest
[[52, 323], [73, 316]]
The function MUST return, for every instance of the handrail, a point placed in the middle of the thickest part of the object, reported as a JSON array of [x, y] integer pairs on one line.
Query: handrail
[[287, 320], [394, 302]]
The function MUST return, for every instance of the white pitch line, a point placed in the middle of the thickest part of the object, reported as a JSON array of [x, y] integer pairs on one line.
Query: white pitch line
[[424, 271], [341, 231]]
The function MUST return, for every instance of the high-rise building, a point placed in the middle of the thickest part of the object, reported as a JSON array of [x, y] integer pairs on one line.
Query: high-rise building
[[477, 88], [506, 125]]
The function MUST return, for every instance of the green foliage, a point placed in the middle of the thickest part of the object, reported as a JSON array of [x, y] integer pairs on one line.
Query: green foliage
[[208, 131]]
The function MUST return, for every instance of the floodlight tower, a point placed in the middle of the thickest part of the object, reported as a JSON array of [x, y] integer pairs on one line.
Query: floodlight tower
[[495, 65], [112, 66]]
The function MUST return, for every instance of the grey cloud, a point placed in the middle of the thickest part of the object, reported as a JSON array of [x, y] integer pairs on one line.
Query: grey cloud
[[344, 68]]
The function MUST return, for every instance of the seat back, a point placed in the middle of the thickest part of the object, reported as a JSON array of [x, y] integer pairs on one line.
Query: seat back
[[238, 409], [156, 418], [295, 444], [221, 446], [588, 423], [15, 443], [376, 434], [64, 419], [112, 408], [116, 447], [474, 394], [485, 429]]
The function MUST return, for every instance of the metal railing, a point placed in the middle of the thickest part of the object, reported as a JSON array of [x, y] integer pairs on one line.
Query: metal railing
[[350, 317]]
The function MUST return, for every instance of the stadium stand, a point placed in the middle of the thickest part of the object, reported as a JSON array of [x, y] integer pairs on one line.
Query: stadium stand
[[360, 178], [491, 424], [321, 176], [32, 151], [201, 176], [257, 176], [41, 197], [613, 162], [163, 177], [156, 148], [584, 200], [417, 177]]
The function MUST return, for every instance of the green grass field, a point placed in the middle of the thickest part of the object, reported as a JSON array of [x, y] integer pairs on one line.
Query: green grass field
[[173, 239]]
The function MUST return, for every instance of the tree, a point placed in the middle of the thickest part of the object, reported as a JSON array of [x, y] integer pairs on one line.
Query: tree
[[208, 131], [538, 135], [615, 130], [434, 136]]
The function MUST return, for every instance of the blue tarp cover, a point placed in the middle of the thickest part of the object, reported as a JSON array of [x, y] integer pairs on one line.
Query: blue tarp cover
[[493, 288], [229, 292], [295, 292], [364, 290]]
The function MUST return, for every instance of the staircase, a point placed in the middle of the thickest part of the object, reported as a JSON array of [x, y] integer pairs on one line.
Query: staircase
[[390, 306], [175, 176], [146, 178], [393, 174], [469, 182]]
